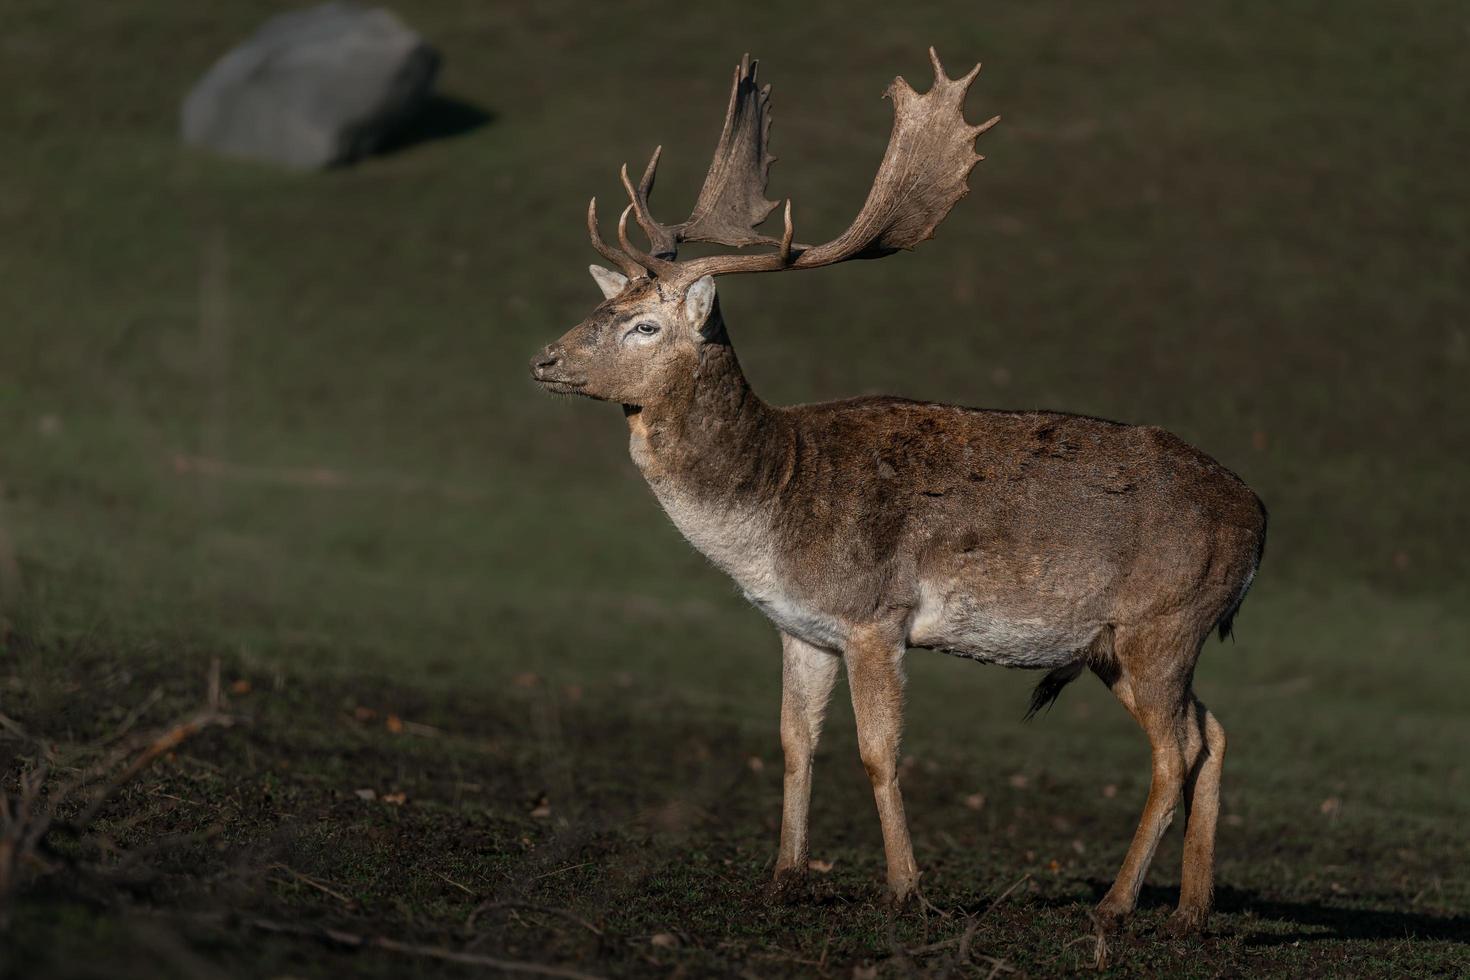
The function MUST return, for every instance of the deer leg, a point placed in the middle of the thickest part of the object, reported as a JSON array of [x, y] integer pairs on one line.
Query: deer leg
[[1205, 756], [807, 676], [1158, 708], [875, 675]]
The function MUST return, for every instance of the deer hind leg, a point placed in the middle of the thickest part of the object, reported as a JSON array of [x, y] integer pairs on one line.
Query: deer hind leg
[[1205, 757], [875, 675], [1150, 675], [807, 676]]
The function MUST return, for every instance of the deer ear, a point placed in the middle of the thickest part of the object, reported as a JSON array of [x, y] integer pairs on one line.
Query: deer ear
[[611, 283], [699, 301]]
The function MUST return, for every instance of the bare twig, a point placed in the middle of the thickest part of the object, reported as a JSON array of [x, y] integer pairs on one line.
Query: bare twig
[[963, 941], [997, 967], [26, 820], [1100, 942], [962, 955], [929, 906], [549, 874], [484, 907], [126, 725], [1062, 950], [464, 888], [176, 799], [311, 882], [964, 938], [357, 941], [1004, 895], [163, 743]]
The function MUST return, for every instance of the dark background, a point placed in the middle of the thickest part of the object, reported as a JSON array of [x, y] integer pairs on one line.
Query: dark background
[[284, 421]]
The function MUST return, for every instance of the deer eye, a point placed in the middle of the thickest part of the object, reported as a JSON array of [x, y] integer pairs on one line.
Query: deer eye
[[647, 328]]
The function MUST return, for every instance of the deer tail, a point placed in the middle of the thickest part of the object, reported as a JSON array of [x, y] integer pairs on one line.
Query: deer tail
[[1051, 686]]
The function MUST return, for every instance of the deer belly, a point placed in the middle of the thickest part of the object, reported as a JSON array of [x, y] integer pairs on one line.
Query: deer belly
[[966, 625]]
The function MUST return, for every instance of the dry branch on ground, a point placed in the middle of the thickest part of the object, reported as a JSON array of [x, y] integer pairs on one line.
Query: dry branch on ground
[[35, 808]]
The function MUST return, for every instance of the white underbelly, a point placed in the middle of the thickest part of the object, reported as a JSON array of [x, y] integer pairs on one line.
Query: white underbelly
[[964, 624]]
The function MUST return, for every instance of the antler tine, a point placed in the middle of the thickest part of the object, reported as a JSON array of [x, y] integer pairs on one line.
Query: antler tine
[[655, 266], [938, 66], [645, 184], [964, 82], [787, 236], [664, 241], [630, 268], [722, 265]]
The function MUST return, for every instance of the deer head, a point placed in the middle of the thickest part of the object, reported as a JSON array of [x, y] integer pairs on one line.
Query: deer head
[[645, 338]]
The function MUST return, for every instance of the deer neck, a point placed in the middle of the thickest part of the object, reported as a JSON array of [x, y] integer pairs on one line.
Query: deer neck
[[709, 440], [720, 460]]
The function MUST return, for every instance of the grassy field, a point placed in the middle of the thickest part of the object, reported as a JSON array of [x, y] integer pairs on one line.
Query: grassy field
[[490, 704]]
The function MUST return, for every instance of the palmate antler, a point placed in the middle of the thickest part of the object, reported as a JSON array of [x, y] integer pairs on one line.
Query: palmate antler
[[930, 154]]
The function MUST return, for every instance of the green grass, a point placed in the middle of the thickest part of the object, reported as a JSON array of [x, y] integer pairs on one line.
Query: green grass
[[1244, 223]]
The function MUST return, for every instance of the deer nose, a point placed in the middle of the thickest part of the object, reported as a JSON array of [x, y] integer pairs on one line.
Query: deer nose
[[545, 361]]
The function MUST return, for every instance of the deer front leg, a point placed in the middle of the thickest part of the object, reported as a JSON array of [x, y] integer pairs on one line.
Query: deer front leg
[[875, 674], [807, 676]]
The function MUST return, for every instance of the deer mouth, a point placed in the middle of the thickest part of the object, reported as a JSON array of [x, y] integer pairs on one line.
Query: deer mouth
[[547, 372], [562, 386]]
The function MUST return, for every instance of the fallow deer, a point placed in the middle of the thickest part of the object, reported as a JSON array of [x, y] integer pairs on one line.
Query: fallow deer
[[866, 527]]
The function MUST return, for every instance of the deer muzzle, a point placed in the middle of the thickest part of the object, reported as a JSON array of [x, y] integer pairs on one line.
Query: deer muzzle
[[549, 368]]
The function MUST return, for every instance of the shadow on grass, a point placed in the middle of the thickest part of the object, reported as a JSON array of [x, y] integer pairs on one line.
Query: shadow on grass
[[1318, 922], [1326, 922], [442, 117]]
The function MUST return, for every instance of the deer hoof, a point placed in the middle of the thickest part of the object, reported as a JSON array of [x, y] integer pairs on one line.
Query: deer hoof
[[899, 895], [1108, 918], [1187, 922], [788, 885]]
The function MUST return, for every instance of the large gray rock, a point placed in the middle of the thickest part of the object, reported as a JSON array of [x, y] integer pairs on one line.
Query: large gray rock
[[312, 88]]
